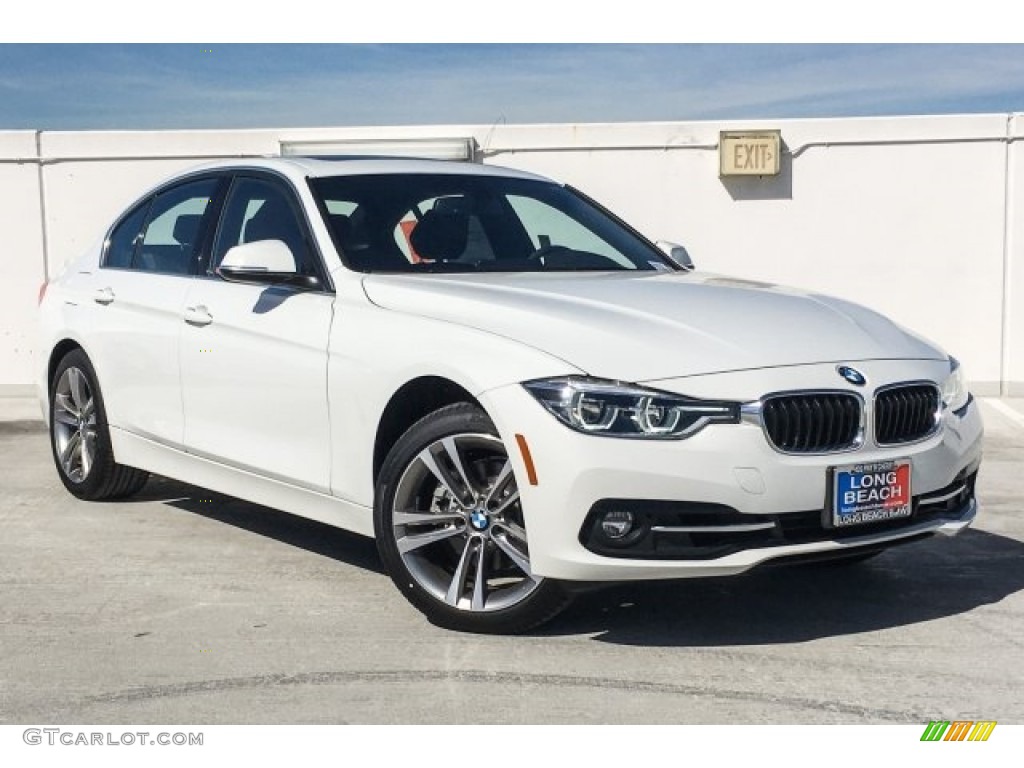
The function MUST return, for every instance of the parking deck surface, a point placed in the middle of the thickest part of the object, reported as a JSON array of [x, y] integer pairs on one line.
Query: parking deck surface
[[182, 606]]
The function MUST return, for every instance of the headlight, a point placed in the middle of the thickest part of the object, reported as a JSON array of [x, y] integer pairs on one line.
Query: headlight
[[954, 390], [610, 408]]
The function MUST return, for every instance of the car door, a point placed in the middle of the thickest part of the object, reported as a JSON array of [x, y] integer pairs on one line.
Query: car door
[[254, 357], [136, 306]]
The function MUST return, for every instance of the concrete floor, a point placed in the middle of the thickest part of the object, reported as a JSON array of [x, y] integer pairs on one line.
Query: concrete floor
[[181, 606]]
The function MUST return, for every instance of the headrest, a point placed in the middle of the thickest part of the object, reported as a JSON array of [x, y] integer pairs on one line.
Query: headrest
[[451, 204], [186, 228], [440, 235], [342, 226], [270, 222]]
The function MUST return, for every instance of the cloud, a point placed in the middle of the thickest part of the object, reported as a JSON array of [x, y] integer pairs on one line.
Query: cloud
[[71, 87]]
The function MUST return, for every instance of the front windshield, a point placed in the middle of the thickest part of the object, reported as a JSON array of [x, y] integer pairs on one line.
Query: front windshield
[[471, 223]]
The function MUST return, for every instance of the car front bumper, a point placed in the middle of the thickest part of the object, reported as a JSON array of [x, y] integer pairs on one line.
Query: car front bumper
[[730, 467]]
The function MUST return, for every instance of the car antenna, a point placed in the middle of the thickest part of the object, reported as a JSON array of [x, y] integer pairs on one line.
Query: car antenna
[[490, 133]]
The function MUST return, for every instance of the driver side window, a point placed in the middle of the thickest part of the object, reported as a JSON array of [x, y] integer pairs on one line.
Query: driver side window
[[257, 209]]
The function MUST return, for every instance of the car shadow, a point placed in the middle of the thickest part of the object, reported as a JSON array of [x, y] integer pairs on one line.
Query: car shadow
[[909, 584], [930, 579], [281, 526]]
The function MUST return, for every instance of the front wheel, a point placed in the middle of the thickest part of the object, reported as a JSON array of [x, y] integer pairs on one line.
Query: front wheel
[[450, 527]]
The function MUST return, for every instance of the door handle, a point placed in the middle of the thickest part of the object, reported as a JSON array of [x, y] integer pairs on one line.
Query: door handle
[[198, 315], [104, 296]]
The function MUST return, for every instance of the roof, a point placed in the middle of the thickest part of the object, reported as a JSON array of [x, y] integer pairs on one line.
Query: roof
[[315, 167]]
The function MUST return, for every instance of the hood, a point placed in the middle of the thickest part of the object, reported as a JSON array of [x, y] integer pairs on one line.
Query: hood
[[642, 326]]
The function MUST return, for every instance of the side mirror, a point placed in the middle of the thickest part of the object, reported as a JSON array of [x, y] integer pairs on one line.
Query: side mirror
[[677, 254], [264, 262]]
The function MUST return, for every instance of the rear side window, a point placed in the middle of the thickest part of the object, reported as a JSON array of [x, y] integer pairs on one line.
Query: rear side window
[[124, 238], [173, 227]]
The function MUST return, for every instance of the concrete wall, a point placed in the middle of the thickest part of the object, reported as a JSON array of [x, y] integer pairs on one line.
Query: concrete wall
[[22, 255], [921, 218]]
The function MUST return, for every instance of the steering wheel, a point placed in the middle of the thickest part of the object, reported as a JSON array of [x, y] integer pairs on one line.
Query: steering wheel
[[547, 250]]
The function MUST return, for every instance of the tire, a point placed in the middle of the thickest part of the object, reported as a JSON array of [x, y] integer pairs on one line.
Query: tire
[[469, 570], [79, 437]]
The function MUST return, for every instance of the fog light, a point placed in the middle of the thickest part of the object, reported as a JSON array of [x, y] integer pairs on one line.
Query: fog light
[[617, 524]]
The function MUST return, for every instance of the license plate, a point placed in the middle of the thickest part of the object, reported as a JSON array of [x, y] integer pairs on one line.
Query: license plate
[[870, 493]]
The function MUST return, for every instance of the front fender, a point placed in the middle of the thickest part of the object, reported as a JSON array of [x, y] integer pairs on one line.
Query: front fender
[[373, 352]]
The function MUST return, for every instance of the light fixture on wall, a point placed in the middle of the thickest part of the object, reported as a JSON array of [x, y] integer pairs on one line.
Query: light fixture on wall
[[434, 149]]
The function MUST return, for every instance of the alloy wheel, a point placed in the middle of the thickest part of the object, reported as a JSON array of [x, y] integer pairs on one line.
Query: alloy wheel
[[74, 424], [458, 524]]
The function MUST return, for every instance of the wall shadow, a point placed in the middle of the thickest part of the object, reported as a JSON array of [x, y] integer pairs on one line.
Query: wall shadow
[[23, 427]]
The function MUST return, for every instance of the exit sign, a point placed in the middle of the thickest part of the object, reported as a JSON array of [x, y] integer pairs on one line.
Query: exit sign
[[749, 153]]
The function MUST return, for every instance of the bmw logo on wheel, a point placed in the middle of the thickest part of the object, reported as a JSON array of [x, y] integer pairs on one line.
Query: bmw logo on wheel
[[852, 375]]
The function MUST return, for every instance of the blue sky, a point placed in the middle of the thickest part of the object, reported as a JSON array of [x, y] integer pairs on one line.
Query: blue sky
[[248, 86]]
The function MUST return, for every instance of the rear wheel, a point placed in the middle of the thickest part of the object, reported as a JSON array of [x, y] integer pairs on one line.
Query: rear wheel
[[79, 436], [451, 531]]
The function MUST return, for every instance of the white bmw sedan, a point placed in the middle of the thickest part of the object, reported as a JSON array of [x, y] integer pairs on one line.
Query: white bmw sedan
[[511, 389]]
